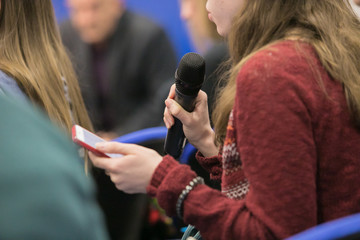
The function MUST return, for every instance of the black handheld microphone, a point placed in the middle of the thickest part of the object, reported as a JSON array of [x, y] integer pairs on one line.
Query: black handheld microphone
[[189, 78]]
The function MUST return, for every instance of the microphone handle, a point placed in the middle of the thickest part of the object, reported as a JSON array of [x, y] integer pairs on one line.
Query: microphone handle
[[175, 138]]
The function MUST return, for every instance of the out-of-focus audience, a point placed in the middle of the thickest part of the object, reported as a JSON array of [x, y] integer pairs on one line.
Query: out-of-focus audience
[[121, 58]]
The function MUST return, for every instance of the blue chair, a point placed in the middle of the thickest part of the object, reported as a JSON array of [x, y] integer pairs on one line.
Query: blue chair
[[155, 135], [143, 135], [340, 229]]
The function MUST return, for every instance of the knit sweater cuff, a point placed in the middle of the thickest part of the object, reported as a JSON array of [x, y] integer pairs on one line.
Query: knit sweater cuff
[[200, 157], [160, 172], [211, 164], [168, 181]]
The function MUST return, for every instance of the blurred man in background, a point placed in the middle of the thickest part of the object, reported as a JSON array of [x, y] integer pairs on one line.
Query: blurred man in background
[[121, 59]]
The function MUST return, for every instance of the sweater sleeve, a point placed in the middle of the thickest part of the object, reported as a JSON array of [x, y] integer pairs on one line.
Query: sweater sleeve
[[274, 138], [211, 164]]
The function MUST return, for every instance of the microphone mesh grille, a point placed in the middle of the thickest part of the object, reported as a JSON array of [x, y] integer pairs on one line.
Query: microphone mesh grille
[[191, 69]]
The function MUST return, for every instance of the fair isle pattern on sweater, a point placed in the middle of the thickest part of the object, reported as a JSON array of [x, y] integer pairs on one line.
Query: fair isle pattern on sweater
[[238, 188]]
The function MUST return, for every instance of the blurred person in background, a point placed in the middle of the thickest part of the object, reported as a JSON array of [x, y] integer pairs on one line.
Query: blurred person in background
[[201, 30], [122, 59]]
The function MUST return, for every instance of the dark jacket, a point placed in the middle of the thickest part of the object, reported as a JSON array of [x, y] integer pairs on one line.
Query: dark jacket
[[138, 59]]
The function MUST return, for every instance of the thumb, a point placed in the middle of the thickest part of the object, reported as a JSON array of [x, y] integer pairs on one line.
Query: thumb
[[116, 147]]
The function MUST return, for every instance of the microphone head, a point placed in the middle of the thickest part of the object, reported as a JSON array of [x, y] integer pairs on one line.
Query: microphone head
[[190, 74]]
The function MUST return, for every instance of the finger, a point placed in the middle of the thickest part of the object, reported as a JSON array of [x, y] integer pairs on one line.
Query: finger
[[201, 101], [100, 162], [117, 147], [168, 118], [172, 92], [176, 110], [167, 123], [119, 186], [202, 96]]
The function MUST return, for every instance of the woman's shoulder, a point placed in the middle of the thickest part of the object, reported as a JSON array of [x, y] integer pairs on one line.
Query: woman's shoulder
[[291, 58], [288, 66], [9, 86], [7, 83], [283, 53]]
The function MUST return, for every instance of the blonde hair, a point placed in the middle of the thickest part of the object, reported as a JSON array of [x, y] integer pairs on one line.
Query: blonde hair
[[32, 53], [330, 26]]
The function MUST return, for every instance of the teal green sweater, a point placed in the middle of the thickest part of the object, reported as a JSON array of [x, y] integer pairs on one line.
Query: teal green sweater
[[44, 191]]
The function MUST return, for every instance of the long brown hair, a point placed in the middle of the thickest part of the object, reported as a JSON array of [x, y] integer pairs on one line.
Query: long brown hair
[[32, 53], [330, 26]]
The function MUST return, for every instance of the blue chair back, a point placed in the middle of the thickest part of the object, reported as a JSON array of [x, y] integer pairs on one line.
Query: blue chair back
[[143, 135], [342, 228], [155, 134]]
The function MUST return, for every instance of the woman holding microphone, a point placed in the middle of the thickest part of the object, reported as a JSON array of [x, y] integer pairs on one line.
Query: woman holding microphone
[[286, 140]]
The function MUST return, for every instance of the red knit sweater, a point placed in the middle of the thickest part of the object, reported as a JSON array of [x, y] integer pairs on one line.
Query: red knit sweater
[[291, 158]]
